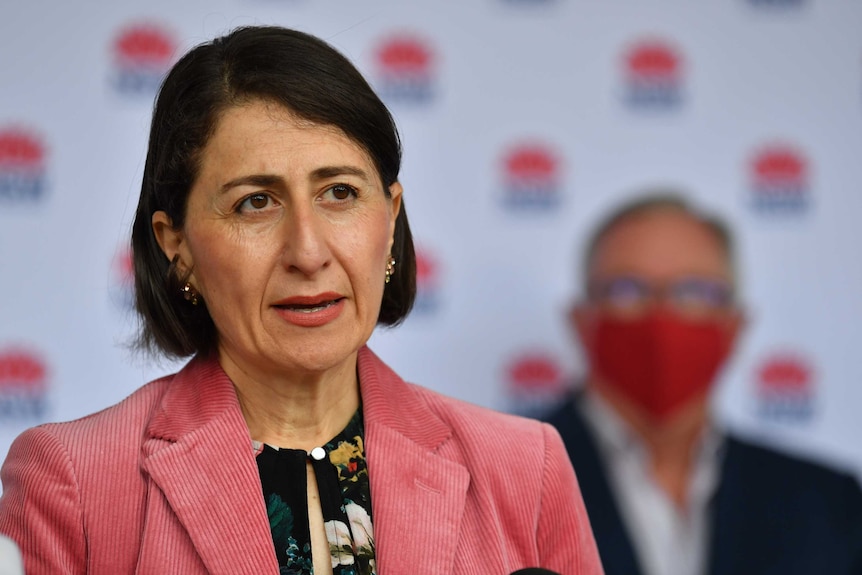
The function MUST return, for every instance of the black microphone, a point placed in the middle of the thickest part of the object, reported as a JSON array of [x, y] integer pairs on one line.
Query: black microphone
[[534, 571]]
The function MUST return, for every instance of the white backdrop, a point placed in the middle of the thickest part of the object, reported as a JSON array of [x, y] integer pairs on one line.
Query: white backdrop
[[523, 121]]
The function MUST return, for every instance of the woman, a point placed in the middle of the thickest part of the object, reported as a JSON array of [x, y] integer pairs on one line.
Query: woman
[[270, 239]]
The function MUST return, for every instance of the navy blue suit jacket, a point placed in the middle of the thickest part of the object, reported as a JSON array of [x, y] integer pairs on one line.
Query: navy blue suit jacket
[[772, 514]]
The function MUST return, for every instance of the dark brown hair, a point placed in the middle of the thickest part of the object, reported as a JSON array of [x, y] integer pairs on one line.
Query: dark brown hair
[[295, 70]]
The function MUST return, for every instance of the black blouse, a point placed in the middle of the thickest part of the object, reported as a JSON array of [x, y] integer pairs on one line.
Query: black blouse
[[345, 499]]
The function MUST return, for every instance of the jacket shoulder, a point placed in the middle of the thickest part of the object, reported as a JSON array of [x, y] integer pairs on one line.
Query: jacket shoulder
[[129, 416], [470, 420], [64, 483], [429, 417]]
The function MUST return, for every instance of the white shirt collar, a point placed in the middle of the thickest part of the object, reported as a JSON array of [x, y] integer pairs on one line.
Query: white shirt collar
[[667, 540]]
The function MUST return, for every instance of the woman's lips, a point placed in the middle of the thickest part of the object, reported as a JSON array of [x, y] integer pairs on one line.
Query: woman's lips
[[311, 311]]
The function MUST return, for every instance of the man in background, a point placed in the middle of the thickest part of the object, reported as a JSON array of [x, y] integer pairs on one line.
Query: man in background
[[668, 491]]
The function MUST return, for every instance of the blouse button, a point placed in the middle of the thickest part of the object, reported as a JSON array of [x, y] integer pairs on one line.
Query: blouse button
[[318, 453]]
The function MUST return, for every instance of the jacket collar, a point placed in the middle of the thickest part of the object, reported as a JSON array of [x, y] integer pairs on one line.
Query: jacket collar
[[418, 493], [197, 450]]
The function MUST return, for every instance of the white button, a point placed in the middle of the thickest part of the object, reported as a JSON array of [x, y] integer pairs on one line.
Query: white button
[[318, 453]]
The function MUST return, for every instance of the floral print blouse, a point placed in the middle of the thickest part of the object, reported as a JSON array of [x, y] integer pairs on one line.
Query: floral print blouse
[[345, 499]]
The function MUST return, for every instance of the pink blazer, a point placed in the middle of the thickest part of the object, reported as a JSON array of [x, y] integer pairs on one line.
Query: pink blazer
[[166, 482]]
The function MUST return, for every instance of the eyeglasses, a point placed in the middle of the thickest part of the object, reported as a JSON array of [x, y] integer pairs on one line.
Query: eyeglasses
[[693, 297]]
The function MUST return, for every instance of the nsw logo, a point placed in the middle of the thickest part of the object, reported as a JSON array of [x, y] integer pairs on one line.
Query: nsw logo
[[405, 70], [427, 282], [142, 55], [779, 177], [785, 389], [531, 177], [22, 166], [23, 387], [653, 76], [535, 383]]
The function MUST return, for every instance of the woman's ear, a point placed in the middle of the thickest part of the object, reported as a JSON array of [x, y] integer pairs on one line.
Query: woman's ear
[[395, 192], [171, 240]]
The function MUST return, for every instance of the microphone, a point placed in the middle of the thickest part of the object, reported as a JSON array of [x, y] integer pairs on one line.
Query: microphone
[[10, 558], [534, 571]]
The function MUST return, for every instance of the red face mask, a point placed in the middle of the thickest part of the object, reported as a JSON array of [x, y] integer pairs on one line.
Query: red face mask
[[660, 361]]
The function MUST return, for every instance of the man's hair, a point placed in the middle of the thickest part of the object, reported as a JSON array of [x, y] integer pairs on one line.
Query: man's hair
[[292, 69], [654, 201]]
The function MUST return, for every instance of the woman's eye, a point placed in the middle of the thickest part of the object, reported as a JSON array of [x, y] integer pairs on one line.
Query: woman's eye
[[255, 202], [342, 191]]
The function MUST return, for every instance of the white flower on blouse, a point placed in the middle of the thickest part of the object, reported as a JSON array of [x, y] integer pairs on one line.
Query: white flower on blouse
[[360, 526], [340, 548]]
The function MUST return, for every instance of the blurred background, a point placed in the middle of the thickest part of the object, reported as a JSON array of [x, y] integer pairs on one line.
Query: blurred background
[[523, 122]]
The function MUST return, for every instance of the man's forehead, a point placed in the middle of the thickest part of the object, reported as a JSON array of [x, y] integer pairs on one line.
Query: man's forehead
[[660, 243]]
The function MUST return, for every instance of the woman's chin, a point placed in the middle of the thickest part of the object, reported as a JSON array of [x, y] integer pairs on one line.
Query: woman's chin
[[316, 362]]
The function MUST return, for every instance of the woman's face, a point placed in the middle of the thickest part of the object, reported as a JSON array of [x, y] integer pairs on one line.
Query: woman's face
[[287, 233]]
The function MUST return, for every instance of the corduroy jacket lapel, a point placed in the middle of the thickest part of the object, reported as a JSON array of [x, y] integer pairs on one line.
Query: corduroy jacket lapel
[[198, 454], [417, 494]]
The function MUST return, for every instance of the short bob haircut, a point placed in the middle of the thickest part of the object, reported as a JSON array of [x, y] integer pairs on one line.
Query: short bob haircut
[[290, 68]]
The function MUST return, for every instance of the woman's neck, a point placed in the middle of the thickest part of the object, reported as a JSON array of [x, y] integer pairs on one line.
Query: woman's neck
[[296, 410]]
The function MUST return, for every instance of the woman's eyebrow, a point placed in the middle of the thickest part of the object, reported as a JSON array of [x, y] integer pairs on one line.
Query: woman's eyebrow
[[270, 180], [262, 180], [334, 171]]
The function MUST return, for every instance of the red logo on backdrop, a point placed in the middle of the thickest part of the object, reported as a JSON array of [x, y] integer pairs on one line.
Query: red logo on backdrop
[[22, 166], [143, 54], [23, 386], [785, 388], [535, 383], [405, 69], [531, 177], [653, 75], [780, 180], [122, 290], [427, 282]]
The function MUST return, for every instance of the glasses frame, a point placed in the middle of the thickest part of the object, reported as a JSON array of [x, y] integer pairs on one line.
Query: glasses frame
[[689, 296]]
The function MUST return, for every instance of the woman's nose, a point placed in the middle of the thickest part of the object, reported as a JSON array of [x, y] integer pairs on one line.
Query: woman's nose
[[306, 247]]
